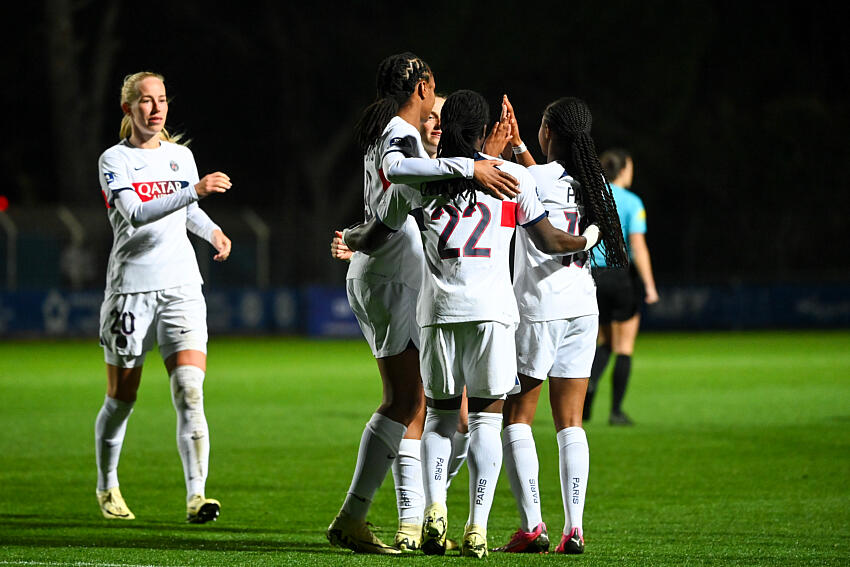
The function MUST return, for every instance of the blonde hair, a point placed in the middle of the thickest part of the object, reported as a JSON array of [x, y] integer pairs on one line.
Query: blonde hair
[[130, 94]]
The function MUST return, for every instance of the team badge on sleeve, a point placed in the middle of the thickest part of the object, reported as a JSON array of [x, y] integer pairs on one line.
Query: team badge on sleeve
[[109, 176], [404, 144]]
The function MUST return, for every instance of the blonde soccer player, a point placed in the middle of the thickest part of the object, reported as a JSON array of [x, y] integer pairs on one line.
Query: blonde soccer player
[[153, 289]]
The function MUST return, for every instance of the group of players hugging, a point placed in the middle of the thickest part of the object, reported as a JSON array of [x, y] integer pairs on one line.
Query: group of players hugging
[[465, 327]]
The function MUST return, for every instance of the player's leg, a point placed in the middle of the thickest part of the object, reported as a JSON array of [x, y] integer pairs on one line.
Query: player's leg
[[407, 476], [488, 357], [484, 462], [440, 424], [601, 357], [623, 335], [567, 389], [535, 349], [125, 333], [460, 441], [378, 449], [522, 467], [384, 312], [443, 390], [109, 430], [567, 396], [182, 335], [407, 471]]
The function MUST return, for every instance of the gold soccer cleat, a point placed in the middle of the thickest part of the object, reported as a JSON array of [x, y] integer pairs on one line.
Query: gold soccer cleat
[[200, 510], [112, 505], [355, 535]]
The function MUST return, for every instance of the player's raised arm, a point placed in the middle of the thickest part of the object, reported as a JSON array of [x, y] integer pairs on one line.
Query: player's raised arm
[[519, 149]]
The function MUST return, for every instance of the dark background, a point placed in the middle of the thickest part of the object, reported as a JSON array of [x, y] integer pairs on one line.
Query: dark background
[[736, 112]]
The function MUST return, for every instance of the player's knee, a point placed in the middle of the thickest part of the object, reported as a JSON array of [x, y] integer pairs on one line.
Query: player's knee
[[187, 388]]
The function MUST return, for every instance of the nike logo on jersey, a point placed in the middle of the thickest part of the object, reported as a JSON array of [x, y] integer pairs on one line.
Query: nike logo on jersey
[[141, 167], [154, 189], [184, 331]]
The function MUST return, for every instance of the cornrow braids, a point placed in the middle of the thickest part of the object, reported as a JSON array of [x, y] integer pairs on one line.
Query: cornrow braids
[[396, 80], [570, 119], [464, 116]]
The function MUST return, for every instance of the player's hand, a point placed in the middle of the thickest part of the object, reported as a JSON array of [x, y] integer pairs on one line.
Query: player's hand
[[499, 136], [511, 117], [591, 235], [338, 249], [651, 296], [222, 244], [494, 181], [217, 182]]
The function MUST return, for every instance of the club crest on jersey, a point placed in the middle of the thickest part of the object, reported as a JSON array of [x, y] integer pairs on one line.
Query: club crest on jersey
[[174, 166], [155, 189], [109, 176]]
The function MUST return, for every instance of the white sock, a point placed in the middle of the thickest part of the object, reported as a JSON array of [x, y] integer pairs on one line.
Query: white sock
[[109, 429], [407, 474], [460, 446], [193, 435], [484, 463], [378, 449], [436, 452], [523, 469], [574, 455]]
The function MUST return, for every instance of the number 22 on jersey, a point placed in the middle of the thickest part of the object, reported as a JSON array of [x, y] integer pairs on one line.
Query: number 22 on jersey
[[460, 224]]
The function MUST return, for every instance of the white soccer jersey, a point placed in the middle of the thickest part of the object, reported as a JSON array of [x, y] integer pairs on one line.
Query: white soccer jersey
[[466, 254], [554, 287], [151, 199], [399, 157]]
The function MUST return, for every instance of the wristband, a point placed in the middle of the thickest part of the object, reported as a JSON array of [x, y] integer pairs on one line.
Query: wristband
[[591, 234], [520, 149]]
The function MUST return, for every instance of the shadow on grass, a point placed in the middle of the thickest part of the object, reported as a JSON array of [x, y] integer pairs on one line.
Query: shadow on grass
[[38, 531]]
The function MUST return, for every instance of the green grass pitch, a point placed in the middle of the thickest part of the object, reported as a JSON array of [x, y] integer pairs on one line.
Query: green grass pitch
[[740, 456]]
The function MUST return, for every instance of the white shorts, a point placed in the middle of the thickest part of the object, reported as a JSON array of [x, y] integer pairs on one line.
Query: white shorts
[[386, 312], [477, 354], [563, 348], [130, 322]]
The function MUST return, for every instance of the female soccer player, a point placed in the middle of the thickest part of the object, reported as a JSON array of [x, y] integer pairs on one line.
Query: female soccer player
[[467, 312], [621, 292], [382, 290], [153, 288], [556, 336]]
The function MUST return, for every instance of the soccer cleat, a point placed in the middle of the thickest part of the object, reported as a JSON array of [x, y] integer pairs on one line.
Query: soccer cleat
[[619, 418], [200, 510], [408, 537], [572, 544], [474, 542], [434, 529], [536, 541], [355, 535], [112, 505]]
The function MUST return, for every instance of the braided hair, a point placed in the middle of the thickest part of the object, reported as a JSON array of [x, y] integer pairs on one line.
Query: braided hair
[[397, 78], [569, 119], [462, 121]]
